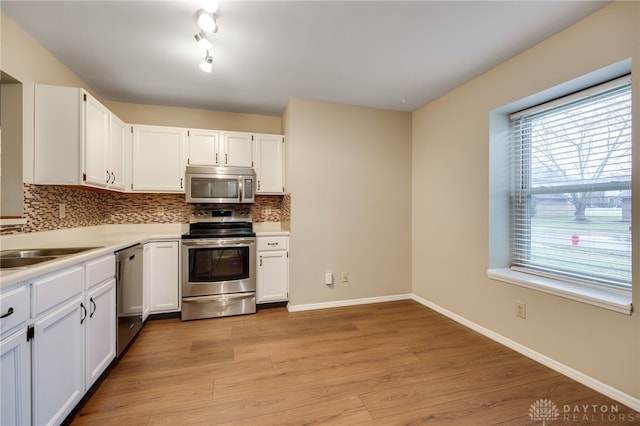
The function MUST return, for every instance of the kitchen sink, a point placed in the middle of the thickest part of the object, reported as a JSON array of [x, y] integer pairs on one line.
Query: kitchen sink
[[27, 257], [21, 262], [44, 252]]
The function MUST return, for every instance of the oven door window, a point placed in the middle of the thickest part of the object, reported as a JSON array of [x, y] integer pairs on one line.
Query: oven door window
[[213, 264], [207, 187]]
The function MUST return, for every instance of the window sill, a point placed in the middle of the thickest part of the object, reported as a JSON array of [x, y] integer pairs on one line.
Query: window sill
[[618, 301]]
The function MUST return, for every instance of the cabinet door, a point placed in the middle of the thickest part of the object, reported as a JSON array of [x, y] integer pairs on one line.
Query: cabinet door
[[163, 276], [158, 158], [119, 136], [238, 149], [57, 135], [273, 277], [58, 363], [269, 164], [15, 371], [100, 330], [204, 147], [97, 121]]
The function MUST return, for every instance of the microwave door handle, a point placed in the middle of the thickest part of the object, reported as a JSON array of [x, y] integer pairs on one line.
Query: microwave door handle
[[240, 189]]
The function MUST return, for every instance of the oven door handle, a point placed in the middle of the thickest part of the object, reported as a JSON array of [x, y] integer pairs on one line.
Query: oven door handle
[[217, 242], [217, 297]]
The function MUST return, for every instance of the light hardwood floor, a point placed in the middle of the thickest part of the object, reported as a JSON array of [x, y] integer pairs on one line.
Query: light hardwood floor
[[395, 363]]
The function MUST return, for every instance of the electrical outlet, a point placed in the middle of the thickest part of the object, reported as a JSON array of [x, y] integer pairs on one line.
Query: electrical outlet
[[62, 212], [267, 210], [345, 277], [160, 211], [521, 310], [328, 278]]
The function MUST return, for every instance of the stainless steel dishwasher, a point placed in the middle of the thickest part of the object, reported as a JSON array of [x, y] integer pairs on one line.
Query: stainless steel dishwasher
[[128, 295]]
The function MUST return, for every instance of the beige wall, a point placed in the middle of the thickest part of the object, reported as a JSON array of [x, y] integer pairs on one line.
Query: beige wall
[[451, 204], [349, 174], [29, 62], [195, 118]]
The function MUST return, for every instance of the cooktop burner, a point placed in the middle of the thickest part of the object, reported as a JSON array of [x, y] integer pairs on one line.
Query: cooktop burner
[[216, 223]]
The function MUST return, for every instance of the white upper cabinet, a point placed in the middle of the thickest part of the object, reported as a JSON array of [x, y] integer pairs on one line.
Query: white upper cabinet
[[238, 149], [269, 163], [97, 122], [73, 140], [158, 159], [204, 147], [119, 164], [224, 149]]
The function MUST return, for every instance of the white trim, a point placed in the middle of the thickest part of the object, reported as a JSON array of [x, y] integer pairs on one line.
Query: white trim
[[624, 398], [350, 302], [617, 301]]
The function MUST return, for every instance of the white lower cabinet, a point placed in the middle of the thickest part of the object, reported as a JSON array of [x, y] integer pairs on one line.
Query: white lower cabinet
[[161, 276], [72, 338], [272, 284], [100, 330], [15, 357], [15, 371], [58, 362]]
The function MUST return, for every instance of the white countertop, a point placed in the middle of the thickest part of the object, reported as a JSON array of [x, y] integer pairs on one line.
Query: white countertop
[[264, 229], [107, 239]]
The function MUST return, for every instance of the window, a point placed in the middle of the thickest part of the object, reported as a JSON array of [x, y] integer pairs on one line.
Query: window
[[571, 201]]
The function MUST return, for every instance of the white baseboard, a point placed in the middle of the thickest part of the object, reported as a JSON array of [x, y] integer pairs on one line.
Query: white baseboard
[[603, 388], [351, 302]]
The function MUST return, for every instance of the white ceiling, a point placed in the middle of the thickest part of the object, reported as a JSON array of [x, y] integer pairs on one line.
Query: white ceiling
[[396, 55]]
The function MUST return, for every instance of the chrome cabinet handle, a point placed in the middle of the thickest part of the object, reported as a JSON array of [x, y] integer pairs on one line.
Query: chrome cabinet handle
[[9, 312]]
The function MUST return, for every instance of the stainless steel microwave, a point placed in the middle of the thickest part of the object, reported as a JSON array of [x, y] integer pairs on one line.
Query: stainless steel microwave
[[215, 185]]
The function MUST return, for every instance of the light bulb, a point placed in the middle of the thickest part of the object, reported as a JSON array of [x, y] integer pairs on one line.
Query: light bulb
[[207, 63], [207, 21], [202, 41], [210, 6]]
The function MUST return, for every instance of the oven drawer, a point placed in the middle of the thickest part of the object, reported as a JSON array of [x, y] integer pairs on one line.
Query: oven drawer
[[220, 305]]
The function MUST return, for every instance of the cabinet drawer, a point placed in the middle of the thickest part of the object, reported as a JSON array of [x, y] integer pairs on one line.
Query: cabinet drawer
[[273, 243], [51, 290], [100, 270], [15, 305]]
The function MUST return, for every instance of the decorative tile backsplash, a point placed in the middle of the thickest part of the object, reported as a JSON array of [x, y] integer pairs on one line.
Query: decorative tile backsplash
[[86, 207]]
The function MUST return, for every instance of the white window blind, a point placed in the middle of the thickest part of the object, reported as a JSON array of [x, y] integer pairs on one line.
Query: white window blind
[[571, 201]]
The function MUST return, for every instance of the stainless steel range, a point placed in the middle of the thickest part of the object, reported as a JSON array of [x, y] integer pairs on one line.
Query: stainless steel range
[[218, 275]]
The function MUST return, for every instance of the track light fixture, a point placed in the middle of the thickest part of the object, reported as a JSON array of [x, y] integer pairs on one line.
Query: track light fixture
[[207, 21], [207, 63], [202, 42]]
